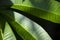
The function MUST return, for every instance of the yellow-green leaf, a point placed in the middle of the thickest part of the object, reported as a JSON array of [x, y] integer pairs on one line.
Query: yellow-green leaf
[[8, 33]]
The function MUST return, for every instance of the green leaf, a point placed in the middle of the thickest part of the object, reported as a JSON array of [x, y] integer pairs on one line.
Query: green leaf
[[8, 33], [16, 26], [2, 25], [1, 35], [5, 30], [33, 28], [45, 9], [26, 28]]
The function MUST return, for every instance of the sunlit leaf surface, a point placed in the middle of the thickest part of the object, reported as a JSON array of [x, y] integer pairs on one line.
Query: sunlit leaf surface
[[13, 23], [8, 33], [26, 28]]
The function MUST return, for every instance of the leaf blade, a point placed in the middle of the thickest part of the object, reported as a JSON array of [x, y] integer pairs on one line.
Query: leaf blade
[[51, 14], [19, 29], [8, 33]]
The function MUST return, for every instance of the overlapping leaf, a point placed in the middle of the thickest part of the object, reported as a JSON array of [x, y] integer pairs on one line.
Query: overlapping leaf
[[16, 26], [5, 31], [36, 30], [2, 25], [46, 9], [26, 28], [1, 35]]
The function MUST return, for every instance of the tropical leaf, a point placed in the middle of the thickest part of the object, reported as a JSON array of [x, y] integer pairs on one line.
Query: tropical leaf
[[2, 25], [17, 27], [14, 24], [1, 35], [33, 28], [26, 28], [45, 9], [8, 33], [5, 31]]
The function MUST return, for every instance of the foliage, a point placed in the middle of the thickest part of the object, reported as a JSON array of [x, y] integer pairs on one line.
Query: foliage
[[15, 26]]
